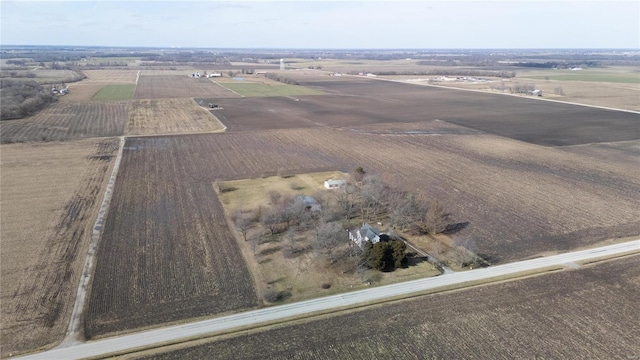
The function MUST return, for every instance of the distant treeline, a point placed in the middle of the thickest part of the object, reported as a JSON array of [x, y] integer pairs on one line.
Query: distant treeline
[[280, 78], [452, 72], [557, 65], [22, 98]]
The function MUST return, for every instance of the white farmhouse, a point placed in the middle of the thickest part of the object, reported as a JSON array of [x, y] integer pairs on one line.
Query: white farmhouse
[[365, 233]]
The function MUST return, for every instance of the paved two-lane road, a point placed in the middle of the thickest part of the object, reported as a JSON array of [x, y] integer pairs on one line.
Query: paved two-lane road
[[177, 333]]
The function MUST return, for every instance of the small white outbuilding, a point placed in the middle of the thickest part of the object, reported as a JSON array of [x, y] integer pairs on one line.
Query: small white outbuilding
[[335, 184]]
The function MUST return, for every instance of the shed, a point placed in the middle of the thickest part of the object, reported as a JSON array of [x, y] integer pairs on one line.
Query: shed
[[335, 184]]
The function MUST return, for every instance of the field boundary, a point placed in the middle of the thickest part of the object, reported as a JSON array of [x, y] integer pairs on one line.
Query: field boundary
[[505, 94], [75, 332], [224, 127]]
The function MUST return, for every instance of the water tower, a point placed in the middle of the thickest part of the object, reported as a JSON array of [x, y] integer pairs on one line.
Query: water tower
[[281, 64]]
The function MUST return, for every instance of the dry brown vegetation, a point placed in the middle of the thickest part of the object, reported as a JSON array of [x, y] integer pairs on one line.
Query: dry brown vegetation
[[110, 76], [50, 197], [67, 120], [178, 86], [167, 116], [585, 313]]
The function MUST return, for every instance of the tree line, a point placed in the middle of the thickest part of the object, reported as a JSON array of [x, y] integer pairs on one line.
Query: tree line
[[450, 72], [281, 78], [23, 98]]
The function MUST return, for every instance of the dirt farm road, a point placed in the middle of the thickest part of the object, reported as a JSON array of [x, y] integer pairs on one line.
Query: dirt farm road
[[178, 333]]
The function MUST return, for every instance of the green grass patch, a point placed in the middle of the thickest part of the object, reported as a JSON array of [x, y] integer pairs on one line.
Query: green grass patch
[[115, 92], [259, 89]]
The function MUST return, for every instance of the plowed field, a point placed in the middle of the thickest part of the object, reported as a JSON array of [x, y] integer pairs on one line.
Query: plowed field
[[50, 197], [586, 313], [67, 120], [178, 86], [520, 199], [531, 120], [166, 252]]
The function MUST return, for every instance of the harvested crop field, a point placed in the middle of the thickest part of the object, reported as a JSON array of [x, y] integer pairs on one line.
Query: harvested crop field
[[584, 313], [81, 91], [67, 120], [115, 92], [622, 152], [166, 253], [110, 76], [50, 196], [520, 199], [361, 101], [166, 116], [178, 86], [267, 113], [269, 89]]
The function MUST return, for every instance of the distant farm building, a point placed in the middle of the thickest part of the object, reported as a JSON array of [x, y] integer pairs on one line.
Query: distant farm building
[[335, 184], [365, 233], [536, 92], [214, 75]]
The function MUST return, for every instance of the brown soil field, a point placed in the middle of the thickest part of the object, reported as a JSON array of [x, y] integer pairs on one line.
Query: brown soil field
[[179, 86], [166, 253], [522, 118], [519, 199], [584, 313], [67, 120], [50, 197], [621, 152], [110, 76], [613, 95], [359, 101], [167, 116]]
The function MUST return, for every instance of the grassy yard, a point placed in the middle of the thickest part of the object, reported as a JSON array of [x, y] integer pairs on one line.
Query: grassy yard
[[300, 274], [115, 92], [247, 194]]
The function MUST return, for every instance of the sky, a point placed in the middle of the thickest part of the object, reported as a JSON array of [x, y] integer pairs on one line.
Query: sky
[[324, 24]]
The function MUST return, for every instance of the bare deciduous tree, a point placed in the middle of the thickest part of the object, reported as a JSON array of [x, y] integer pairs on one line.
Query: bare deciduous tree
[[243, 224], [436, 219], [329, 236], [464, 252]]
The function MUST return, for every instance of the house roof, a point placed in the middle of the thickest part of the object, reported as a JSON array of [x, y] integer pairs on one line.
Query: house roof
[[369, 232]]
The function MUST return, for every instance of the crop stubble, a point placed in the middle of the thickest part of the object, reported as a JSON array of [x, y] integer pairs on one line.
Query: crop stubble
[[166, 116], [178, 86], [50, 195], [585, 313], [68, 120]]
